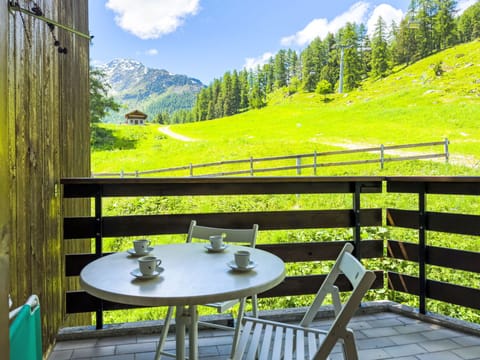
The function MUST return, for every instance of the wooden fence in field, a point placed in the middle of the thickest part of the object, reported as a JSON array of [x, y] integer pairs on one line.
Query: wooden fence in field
[[300, 162]]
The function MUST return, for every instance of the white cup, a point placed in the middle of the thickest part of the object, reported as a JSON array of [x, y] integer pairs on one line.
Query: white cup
[[141, 246], [216, 241], [242, 258], [148, 264]]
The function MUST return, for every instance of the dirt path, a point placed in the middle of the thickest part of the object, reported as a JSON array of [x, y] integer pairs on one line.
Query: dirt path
[[166, 130]]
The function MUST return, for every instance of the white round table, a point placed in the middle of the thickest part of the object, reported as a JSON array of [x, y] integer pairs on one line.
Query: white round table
[[191, 276]]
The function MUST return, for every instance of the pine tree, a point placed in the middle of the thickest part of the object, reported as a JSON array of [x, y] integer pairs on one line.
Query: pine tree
[[217, 99], [201, 104], [313, 58], [330, 70], [406, 47], [280, 69], [293, 65], [257, 94], [365, 50], [424, 34], [235, 92], [100, 102], [380, 56], [444, 24], [244, 90], [267, 73], [352, 65], [469, 23]]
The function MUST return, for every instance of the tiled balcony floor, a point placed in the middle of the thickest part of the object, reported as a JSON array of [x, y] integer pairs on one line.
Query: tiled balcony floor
[[379, 335]]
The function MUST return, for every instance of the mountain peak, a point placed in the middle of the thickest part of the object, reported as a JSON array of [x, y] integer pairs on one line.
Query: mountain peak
[[134, 85]]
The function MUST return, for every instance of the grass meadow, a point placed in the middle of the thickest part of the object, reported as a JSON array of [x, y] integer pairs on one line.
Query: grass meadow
[[412, 105]]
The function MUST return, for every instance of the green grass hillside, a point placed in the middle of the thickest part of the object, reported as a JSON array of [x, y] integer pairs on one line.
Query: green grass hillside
[[411, 105]]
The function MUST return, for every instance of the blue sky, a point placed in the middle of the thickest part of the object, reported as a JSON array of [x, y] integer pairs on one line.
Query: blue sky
[[205, 38]]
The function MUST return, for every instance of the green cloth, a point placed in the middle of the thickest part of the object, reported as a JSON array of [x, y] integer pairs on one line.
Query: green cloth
[[26, 335]]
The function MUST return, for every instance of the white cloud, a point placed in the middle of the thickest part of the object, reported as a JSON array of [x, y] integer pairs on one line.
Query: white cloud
[[462, 5], [150, 19], [151, 52], [321, 27], [253, 63], [358, 13], [388, 14]]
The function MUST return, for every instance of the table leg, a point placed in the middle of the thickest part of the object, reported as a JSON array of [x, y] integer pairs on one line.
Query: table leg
[[193, 332], [181, 316]]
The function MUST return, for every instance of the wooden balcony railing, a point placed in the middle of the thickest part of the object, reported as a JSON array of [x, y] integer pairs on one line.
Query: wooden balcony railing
[[355, 217], [425, 221]]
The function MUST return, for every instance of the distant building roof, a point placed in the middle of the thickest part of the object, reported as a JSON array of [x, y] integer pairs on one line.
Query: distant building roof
[[136, 114]]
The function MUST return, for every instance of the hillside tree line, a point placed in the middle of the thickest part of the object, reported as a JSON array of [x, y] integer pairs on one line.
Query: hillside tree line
[[428, 27]]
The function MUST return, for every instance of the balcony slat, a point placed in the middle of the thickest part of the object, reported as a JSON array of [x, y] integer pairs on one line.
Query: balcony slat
[[435, 221], [309, 284], [82, 227], [437, 290], [88, 187], [454, 223], [291, 252], [320, 251], [434, 185], [438, 256]]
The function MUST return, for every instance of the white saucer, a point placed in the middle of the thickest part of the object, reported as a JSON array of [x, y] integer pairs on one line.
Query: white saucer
[[234, 266], [134, 253], [139, 275], [211, 249]]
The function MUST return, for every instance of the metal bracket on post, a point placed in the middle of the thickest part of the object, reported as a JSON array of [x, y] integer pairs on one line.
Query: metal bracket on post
[[98, 246], [356, 213], [13, 6], [422, 248]]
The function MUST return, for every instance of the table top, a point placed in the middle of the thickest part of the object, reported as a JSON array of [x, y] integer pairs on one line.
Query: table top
[[191, 276]]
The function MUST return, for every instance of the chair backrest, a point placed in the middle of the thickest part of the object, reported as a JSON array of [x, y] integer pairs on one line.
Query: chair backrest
[[360, 280], [239, 236]]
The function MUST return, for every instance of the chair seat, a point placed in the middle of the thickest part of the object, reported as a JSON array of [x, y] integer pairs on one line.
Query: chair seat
[[273, 340]]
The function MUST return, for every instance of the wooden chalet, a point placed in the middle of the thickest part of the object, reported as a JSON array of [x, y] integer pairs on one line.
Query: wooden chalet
[[135, 117]]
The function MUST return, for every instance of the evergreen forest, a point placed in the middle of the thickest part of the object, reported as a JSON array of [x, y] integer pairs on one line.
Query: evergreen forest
[[339, 62]]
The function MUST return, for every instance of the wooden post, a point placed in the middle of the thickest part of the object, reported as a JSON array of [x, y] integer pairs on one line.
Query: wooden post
[[5, 221], [447, 154], [422, 248], [382, 156], [356, 213], [99, 246], [315, 162], [299, 165], [191, 169], [251, 166]]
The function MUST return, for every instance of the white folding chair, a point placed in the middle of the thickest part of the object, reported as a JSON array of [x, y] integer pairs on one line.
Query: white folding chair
[[263, 339], [245, 237]]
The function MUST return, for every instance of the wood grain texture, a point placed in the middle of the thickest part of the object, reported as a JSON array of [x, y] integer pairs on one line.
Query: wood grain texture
[[5, 181], [48, 137]]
